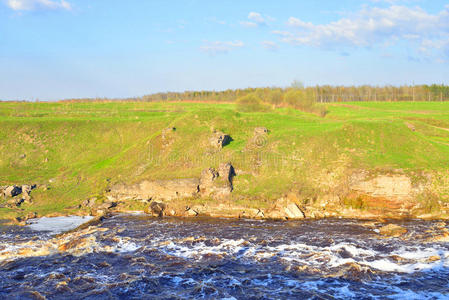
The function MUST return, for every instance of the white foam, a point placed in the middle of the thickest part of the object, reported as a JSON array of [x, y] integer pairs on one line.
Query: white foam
[[57, 224], [126, 246], [417, 257]]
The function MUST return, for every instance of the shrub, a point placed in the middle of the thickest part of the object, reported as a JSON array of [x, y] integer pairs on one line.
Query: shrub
[[300, 99], [304, 100], [250, 103], [276, 97]]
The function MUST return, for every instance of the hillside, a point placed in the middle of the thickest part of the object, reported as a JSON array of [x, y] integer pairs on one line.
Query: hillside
[[76, 151]]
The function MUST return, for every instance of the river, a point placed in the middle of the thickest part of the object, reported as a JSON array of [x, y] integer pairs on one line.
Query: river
[[132, 256]]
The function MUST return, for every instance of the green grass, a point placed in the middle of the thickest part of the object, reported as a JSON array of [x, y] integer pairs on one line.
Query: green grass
[[88, 145]]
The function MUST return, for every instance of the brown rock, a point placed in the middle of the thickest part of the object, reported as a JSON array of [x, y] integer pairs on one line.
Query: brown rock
[[260, 130], [219, 140], [162, 190], [157, 208], [388, 186], [226, 171], [433, 259], [208, 176], [392, 230], [292, 211]]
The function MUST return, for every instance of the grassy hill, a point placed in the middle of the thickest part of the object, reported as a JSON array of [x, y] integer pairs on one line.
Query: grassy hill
[[78, 149]]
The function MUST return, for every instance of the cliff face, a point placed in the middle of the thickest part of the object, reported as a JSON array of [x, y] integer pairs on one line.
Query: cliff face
[[359, 195]]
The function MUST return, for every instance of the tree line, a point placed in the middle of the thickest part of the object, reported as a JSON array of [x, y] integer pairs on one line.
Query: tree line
[[319, 94]]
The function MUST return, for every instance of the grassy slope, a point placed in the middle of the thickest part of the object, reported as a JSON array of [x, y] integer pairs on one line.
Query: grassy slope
[[87, 144]]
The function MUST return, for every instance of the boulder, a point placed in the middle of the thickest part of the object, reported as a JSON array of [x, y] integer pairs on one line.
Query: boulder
[[392, 230], [260, 130], [285, 209], [217, 184], [12, 191], [292, 211], [89, 202], [219, 139], [157, 208], [260, 137], [107, 205]]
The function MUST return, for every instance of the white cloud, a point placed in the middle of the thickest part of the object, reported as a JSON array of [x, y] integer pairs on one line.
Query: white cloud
[[270, 45], [20, 5], [218, 47], [256, 19], [374, 26]]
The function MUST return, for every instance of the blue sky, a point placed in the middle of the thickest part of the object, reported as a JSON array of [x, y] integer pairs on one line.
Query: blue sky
[[54, 49]]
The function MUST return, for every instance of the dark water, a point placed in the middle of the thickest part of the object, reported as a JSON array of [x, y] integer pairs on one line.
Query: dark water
[[136, 257]]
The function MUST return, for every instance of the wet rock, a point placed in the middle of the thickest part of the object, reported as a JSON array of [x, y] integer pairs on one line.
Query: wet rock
[[392, 230], [353, 271], [432, 259], [78, 245], [35, 295], [219, 139], [442, 237]]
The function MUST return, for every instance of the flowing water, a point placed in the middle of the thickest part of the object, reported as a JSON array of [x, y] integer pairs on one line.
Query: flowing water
[[137, 257]]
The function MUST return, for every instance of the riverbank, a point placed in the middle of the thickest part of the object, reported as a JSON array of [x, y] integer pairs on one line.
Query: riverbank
[[360, 160]]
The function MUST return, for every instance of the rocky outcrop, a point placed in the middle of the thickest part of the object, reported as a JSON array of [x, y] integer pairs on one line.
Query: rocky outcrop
[[156, 190], [211, 183], [388, 186], [12, 191], [217, 184], [219, 139], [17, 195]]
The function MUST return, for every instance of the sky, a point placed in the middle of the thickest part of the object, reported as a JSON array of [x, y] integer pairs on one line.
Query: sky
[[60, 49]]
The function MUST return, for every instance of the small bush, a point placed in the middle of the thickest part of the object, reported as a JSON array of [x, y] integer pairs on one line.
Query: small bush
[[304, 100], [251, 103], [276, 97]]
